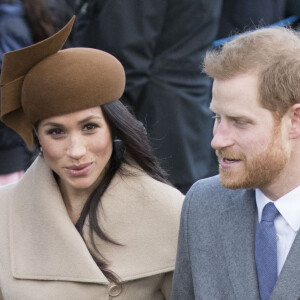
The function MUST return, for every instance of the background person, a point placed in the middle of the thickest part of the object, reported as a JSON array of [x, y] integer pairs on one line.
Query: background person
[[238, 16], [238, 234], [93, 217], [161, 44]]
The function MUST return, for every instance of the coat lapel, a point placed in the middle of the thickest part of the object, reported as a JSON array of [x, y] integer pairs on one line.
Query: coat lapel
[[287, 286], [143, 216], [44, 243], [239, 224]]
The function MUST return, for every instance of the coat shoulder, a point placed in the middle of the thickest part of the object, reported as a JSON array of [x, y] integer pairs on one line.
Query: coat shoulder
[[135, 184], [143, 214], [209, 195], [6, 193]]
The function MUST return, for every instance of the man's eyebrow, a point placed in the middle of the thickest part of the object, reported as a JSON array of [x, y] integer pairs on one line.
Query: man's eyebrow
[[233, 116]]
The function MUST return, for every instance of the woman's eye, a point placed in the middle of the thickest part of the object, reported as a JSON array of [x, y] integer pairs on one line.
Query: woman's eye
[[88, 127], [55, 131]]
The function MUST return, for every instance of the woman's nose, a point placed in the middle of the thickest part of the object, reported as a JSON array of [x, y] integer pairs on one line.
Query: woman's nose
[[76, 148]]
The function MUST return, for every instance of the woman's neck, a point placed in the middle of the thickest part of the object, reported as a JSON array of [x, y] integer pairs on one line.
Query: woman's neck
[[74, 201]]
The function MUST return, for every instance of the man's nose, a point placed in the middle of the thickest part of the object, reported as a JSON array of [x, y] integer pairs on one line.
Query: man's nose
[[222, 136]]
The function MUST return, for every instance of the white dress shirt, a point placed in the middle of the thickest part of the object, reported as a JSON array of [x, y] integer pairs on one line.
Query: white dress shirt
[[286, 224]]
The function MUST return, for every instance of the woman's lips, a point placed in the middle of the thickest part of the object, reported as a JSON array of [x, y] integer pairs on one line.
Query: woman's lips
[[79, 170]]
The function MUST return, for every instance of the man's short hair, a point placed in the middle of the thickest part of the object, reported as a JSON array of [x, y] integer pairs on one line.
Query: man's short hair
[[271, 53]]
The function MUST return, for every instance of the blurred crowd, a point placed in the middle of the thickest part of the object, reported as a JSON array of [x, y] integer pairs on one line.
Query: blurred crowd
[[161, 45]]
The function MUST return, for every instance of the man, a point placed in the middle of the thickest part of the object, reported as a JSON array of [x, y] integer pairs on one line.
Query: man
[[229, 246]]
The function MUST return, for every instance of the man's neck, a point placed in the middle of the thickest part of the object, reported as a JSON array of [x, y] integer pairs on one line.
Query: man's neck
[[288, 180]]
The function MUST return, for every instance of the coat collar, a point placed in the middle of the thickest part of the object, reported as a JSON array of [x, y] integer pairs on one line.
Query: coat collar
[[287, 285], [45, 244], [239, 225]]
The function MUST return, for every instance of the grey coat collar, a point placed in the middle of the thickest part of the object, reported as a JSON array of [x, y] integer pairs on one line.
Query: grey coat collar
[[239, 223], [287, 286]]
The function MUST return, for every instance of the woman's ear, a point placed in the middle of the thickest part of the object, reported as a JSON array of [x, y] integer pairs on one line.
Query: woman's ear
[[36, 139], [35, 131], [294, 114]]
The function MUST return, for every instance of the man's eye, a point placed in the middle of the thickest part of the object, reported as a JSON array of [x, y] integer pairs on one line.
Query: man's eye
[[216, 118], [241, 123]]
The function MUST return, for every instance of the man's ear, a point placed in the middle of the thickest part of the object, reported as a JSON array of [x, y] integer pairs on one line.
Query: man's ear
[[294, 114]]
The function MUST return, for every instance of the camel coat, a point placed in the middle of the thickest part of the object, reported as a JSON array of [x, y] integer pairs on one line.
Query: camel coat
[[42, 256]]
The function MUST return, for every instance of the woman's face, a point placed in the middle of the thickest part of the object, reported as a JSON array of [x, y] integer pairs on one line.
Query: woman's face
[[76, 146]]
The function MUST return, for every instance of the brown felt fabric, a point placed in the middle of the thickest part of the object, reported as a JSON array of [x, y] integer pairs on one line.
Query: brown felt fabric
[[41, 81], [70, 80]]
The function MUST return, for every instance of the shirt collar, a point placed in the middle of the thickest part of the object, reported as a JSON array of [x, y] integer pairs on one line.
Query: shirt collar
[[288, 206]]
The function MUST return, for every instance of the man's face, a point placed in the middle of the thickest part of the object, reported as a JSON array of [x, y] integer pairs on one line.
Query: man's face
[[248, 142]]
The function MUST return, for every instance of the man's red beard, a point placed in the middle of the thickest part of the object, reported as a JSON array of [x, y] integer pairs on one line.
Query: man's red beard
[[256, 172]]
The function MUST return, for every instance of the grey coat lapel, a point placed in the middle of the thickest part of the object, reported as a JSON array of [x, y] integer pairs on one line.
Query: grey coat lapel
[[239, 223], [288, 284]]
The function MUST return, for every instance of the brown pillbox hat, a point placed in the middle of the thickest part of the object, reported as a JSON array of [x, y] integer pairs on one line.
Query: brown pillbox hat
[[41, 81]]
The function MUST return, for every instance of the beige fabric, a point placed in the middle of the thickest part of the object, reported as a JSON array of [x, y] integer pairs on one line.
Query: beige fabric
[[42, 256]]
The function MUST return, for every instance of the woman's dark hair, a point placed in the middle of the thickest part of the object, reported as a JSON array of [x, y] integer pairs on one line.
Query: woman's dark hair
[[130, 143], [39, 19]]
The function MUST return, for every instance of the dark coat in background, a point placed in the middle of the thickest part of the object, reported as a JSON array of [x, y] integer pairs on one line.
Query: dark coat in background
[[14, 31], [14, 155], [61, 12], [243, 15], [14, 34], [161, 44]]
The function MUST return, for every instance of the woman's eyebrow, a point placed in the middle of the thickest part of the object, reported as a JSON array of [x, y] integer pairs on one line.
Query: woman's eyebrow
[[79, 122], [52, 124], [89, 118]]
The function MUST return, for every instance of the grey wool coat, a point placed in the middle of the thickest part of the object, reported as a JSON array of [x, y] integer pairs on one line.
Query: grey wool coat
[[215, 259], [42, 256]]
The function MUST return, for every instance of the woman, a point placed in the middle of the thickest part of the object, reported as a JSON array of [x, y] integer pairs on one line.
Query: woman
[[93, 217]]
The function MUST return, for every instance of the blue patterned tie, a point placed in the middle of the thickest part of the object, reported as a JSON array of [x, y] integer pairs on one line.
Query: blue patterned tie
[[266, 251]]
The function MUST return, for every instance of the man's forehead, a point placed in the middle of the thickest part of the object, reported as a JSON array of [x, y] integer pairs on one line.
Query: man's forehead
[[241, 87], [229, 111]]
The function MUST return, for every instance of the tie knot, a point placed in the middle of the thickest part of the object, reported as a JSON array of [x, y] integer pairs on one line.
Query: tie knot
[[269, 213]]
